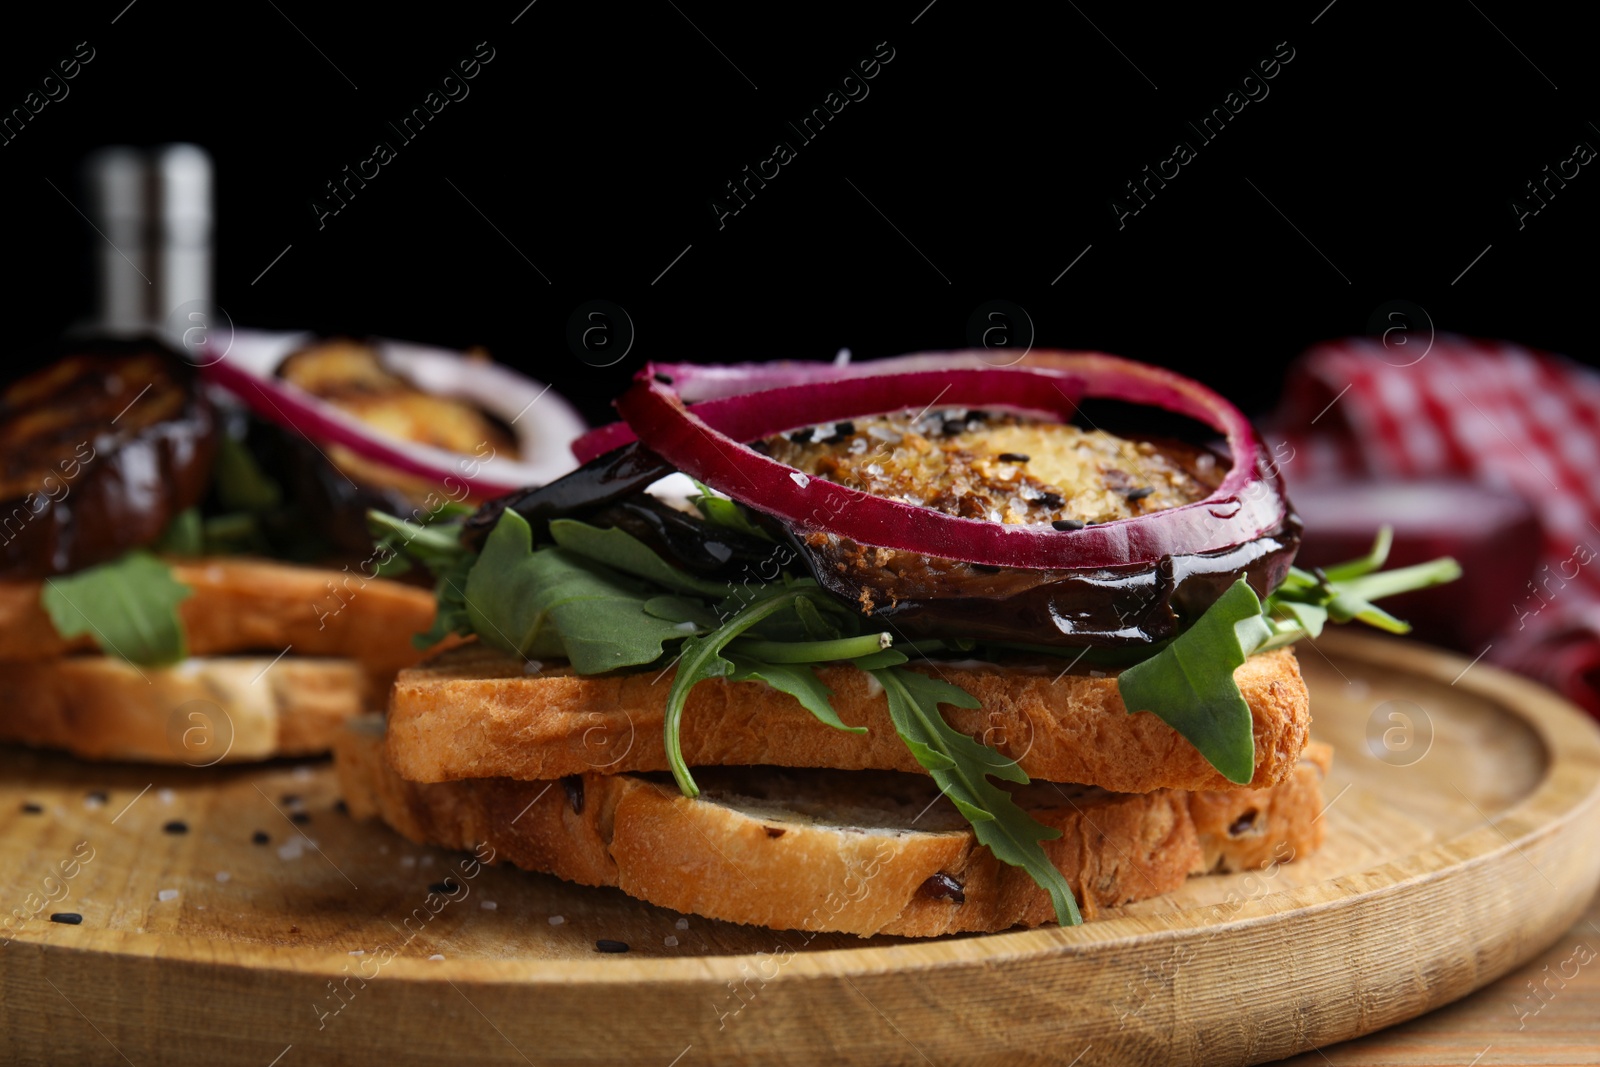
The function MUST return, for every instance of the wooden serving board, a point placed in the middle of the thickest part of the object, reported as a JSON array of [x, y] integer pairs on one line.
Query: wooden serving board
[[1462, 840]]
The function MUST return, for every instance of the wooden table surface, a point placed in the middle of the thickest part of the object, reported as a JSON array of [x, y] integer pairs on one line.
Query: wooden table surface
[[1506, 1022]]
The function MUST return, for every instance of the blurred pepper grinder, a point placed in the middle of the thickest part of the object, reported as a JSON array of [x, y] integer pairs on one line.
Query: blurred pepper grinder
[[153, 271]]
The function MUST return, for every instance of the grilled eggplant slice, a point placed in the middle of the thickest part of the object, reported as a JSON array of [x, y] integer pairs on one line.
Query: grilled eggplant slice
[[97, 453]]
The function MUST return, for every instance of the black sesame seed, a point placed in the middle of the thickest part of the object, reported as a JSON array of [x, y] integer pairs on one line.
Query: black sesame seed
[[66, 918], [978, 416], [300, 817], [99, 796], [845, 428], [775, 831], [573, 784], [800, 437], [446, 886], [176, 826], [30, 808], [951, 428], [984, 568], [1137, 494], [1066, 525], [604, 945], [1014, 457], [341, 807], [290, 799], [1050, 500], [1243, 824], [942, 886], [260, 837], [762, 447]]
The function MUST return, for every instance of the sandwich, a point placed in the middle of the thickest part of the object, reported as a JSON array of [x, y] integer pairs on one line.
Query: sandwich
[[893, 648], [178, 582]]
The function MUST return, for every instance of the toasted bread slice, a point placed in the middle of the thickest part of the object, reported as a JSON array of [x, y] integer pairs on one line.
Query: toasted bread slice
[[252, 605], [864, 852], [476, 713], [200, 712]]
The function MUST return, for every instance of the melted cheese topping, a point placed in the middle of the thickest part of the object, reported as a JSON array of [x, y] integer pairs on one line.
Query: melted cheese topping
[[1000, 468]]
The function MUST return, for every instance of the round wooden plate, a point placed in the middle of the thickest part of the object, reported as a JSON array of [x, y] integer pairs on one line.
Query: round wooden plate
[[1463, 810]]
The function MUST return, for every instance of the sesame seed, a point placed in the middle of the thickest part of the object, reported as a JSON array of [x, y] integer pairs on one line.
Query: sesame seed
[[66, 918], [166, 895], [1014, 457], [300, 817], [1138, 494], [30, 808], [605, 945], [1067, 525], [436, 956], [488, 905], [557, 920], [446, 886], [260, 838], [176, 826]]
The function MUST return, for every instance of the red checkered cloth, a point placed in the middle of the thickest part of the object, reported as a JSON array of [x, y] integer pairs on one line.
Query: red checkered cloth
[[1494, 413]]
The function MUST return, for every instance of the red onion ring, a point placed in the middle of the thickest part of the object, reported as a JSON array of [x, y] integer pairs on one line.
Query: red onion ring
[[696, 381], [706, 443], [247, 371]]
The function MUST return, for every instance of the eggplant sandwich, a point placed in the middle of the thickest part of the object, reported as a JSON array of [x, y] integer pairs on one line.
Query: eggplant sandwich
[[184, 582], [899, 647]]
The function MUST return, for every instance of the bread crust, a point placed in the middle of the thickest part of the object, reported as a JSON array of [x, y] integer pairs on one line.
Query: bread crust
[[838, 850], [475, 713], [253, 605], [202, 711]]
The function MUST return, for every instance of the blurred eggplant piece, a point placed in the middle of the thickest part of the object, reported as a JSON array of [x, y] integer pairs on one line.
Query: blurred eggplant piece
[[333, 484], [98, 452], [1493, 533]]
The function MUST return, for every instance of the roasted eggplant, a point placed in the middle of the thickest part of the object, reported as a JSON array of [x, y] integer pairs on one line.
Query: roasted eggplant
[[98, 452]]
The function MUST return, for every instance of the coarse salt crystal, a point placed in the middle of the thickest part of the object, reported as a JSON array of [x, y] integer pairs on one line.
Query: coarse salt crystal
[[799, 479], [487, 905], [223, 876], [408, 861], [167, 894], [533, 666], [682, 924], [166, 796], [670, 941], [291, 849], [358, 952], [557, 920]]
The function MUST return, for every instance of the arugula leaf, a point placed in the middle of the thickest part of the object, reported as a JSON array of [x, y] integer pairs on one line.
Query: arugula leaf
[[184, 535], [961, 767], [130, 605], [798, 680], [436, 546], [551, 602], [450, 611], [240, 482], [622, 551], [1306, 601], [702, 658], [724, 512], [1189, 684]]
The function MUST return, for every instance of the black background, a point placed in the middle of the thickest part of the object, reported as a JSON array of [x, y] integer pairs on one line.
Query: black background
[[593, 143]]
